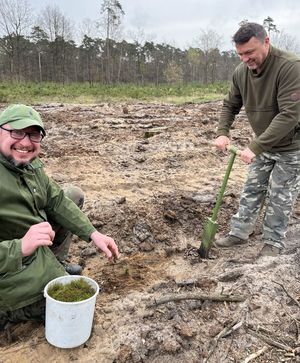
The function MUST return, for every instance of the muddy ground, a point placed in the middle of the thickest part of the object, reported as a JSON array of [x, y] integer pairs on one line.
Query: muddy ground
[[151, 178]]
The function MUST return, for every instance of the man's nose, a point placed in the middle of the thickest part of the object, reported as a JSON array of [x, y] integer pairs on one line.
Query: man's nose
[[26, 140], [244, 58]]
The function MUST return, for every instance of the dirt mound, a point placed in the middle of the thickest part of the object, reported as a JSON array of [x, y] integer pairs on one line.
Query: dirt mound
[[151, 178]]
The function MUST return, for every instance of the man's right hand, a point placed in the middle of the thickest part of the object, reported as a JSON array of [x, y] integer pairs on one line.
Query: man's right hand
[[222, 142], [40, 234]]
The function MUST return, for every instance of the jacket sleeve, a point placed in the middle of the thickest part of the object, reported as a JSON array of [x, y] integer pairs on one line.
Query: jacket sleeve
[[287, 120], [10, 256], [65, 212], [232, 105]]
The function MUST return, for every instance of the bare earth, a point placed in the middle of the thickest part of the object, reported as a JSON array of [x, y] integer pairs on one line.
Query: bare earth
[[151, 179]]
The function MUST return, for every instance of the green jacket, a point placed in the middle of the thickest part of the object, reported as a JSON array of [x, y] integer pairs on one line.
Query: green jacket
[[271, 100], [29, 197]]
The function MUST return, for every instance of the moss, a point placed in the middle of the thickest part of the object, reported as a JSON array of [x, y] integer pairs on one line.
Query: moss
[[76, 290]]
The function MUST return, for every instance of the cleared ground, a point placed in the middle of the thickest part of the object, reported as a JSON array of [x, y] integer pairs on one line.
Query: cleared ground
[[151, 178]]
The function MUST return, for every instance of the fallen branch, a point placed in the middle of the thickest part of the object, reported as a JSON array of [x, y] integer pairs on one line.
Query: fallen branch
[[270, 341], [288, 294], [256, 354], [196, 296], [294, 320], [234, 328], [230, 328]]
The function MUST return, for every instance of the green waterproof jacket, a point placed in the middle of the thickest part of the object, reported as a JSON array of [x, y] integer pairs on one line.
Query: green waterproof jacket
[[271, 100], [28, 197]]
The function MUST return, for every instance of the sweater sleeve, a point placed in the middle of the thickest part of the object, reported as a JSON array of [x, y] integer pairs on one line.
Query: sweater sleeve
[[286, 122], [65, 212], [232, 105]]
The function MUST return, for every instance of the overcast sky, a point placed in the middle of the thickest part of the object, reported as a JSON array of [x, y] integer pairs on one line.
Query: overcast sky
[[179, 22]]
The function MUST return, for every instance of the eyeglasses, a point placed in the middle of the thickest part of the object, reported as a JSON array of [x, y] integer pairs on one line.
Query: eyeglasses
[[20, 135]]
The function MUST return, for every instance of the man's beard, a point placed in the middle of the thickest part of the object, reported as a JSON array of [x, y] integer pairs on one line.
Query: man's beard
[[18, 164]]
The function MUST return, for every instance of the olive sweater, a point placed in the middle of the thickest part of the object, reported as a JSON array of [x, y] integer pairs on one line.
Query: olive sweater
[[271, 100], [29, 197]]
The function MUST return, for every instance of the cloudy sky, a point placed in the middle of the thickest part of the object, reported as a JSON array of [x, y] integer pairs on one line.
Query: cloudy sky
[[179, 22]]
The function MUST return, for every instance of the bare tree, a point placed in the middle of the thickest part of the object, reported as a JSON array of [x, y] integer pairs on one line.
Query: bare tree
[[209, 42], [54, 23], [111, 19], [87, 27], [15, 20], [14, 17], [138, 36], [59, 31], [286, 42]]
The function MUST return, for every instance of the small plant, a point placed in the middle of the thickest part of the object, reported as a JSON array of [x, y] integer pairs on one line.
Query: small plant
[[76, 290]]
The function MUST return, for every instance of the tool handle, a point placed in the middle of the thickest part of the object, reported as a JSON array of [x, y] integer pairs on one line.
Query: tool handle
[[234, 151]]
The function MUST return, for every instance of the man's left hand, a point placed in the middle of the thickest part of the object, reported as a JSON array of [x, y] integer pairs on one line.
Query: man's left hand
[[247, 155]]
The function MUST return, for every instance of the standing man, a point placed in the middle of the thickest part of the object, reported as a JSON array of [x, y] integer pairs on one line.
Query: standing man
[[37, 219], [267, 84]]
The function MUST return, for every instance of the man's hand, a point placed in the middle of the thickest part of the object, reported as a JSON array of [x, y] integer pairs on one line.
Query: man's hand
[[247, 155], [105, 244], [40, 234], [222, 142]]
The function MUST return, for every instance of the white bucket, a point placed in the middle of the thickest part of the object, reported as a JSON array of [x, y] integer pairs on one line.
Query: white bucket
[[69, 324]]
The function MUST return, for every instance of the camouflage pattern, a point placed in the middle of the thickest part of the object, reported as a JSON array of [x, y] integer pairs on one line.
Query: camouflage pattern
[[273, 179], [60, 248]]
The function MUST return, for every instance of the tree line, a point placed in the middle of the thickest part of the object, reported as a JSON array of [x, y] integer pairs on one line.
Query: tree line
[[38, 59], [46, 52]]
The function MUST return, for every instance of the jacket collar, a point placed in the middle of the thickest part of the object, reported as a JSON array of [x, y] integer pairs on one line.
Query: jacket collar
[[265, 64], [35, 164]]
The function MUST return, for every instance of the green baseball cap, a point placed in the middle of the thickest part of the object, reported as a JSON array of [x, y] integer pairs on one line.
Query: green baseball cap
[[21, 116]]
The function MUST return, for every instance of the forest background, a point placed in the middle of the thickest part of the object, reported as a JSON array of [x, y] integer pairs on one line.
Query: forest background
[[40, 58]]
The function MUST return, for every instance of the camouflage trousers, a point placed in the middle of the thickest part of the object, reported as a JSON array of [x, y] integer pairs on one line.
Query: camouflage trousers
[[273, 179], [60, 248]]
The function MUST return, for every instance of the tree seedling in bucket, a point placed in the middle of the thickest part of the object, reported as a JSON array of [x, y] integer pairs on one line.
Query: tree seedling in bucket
[[76, 290], [210, 228]]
